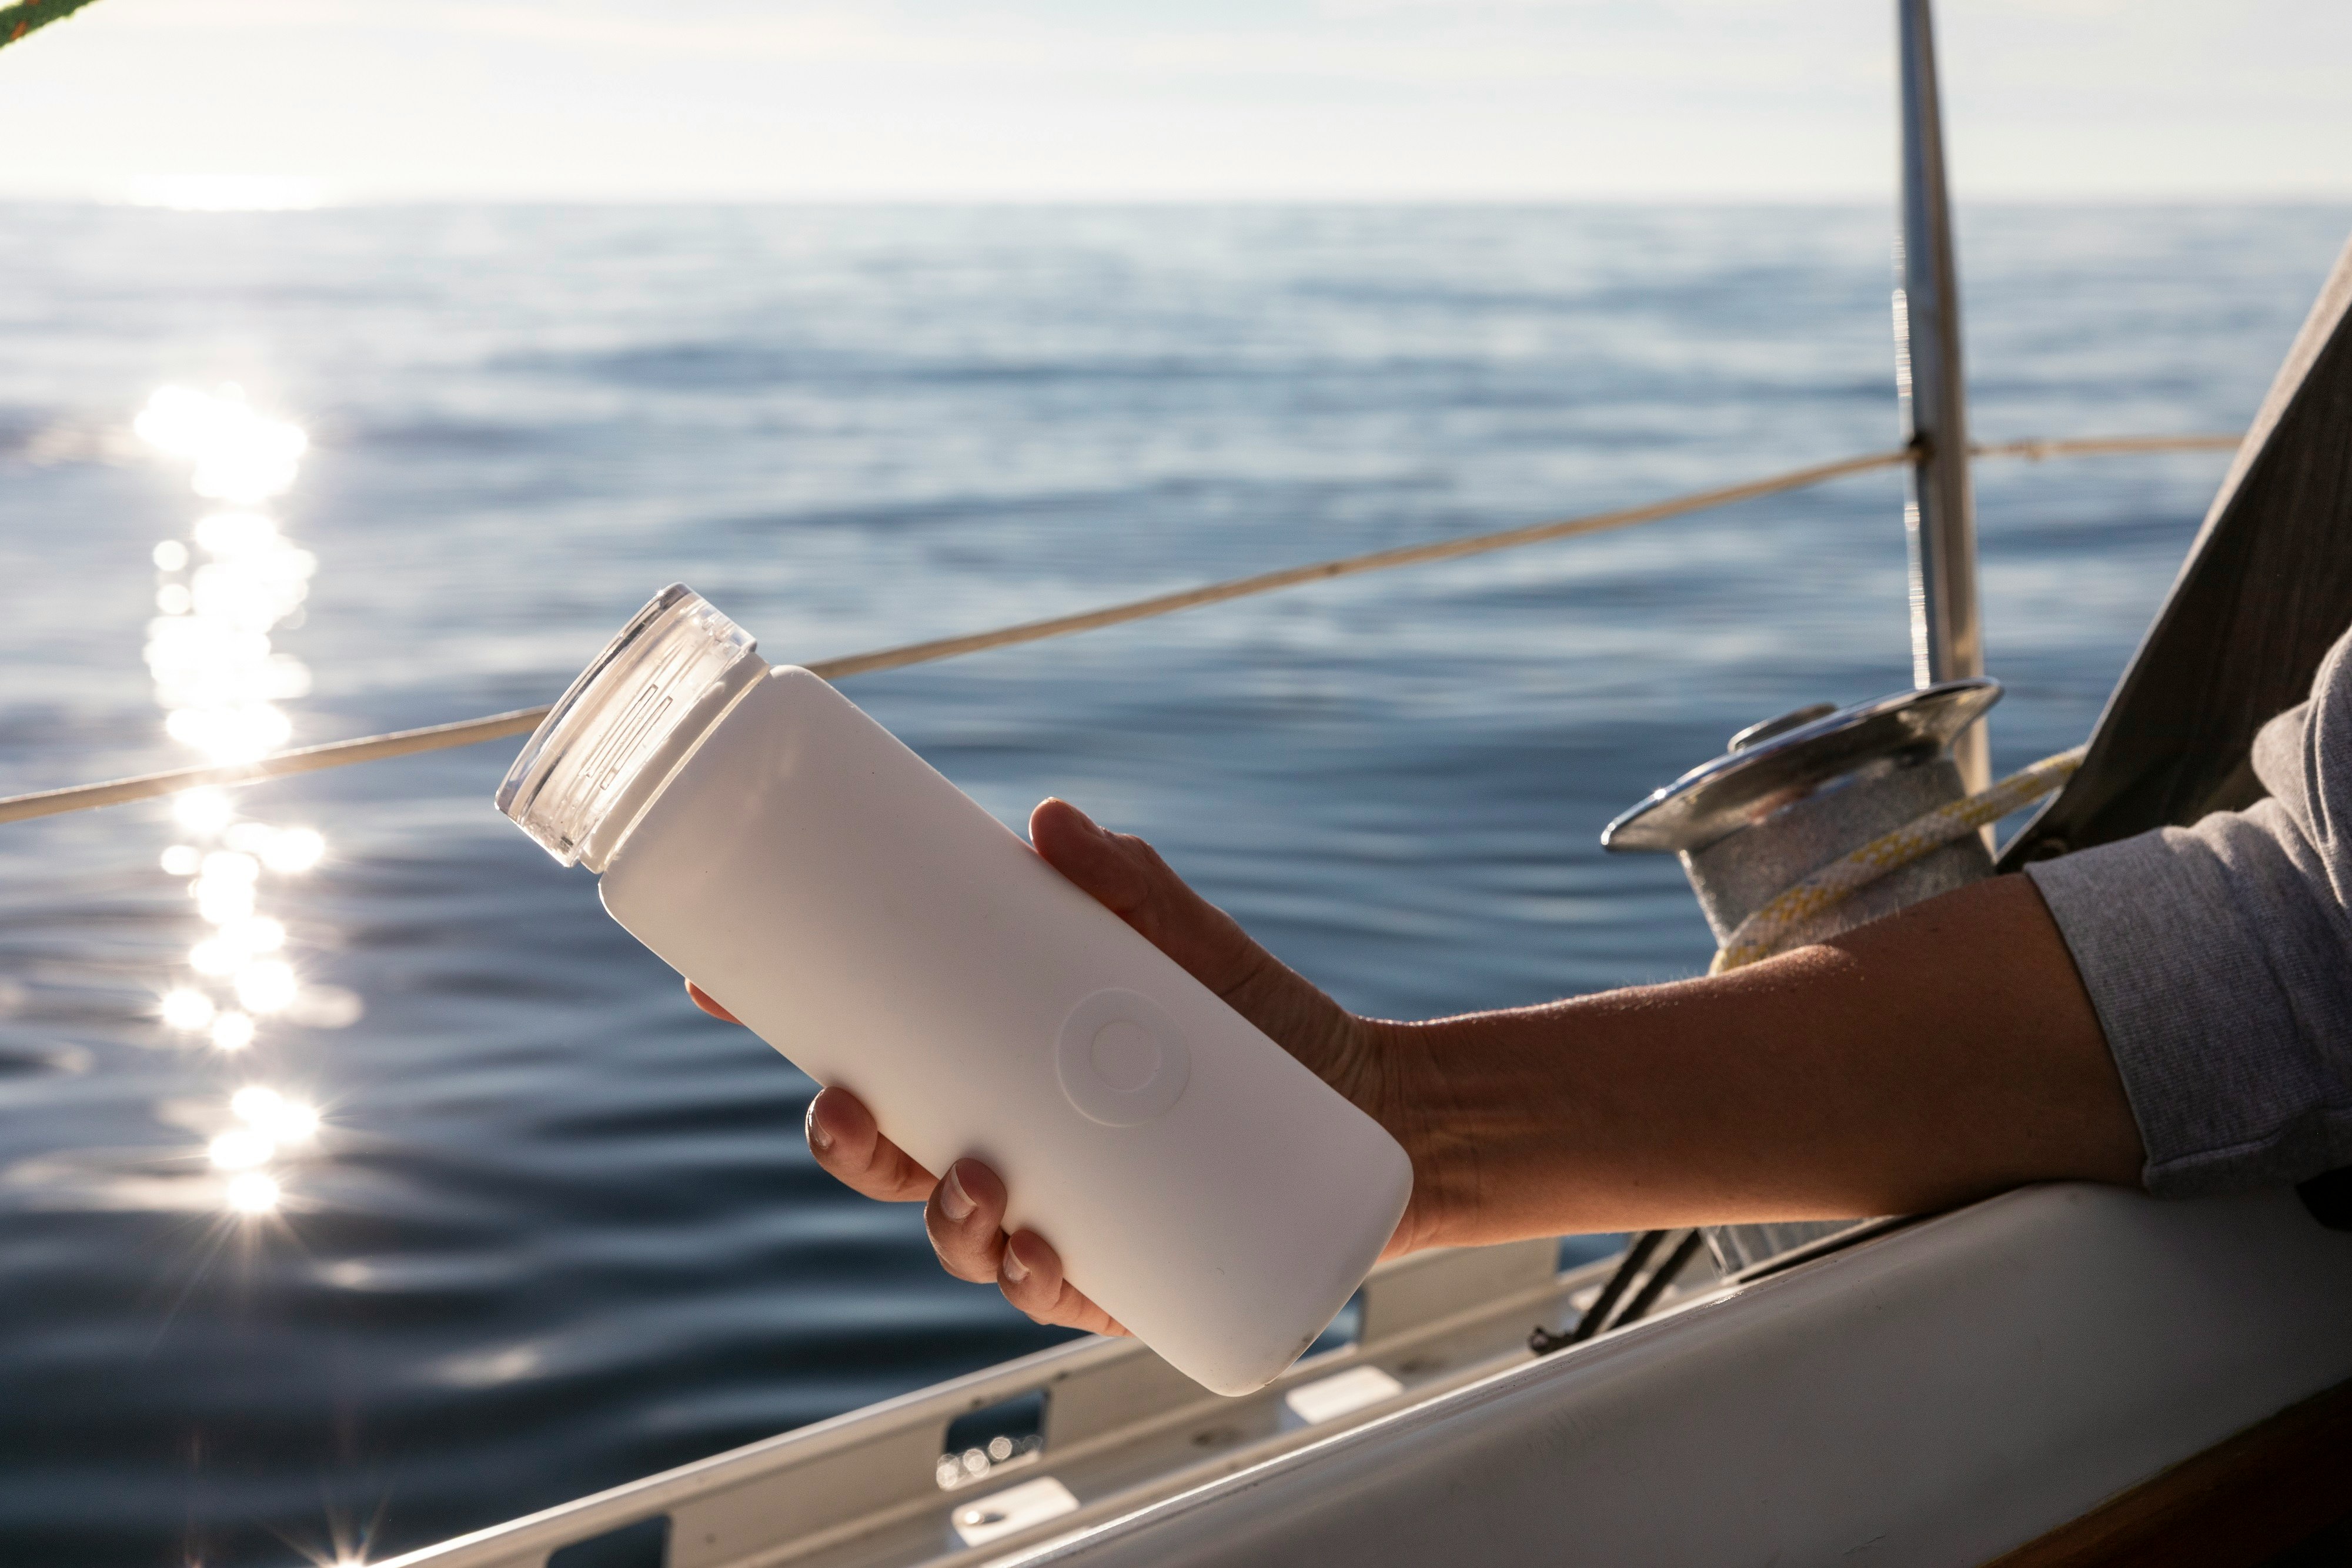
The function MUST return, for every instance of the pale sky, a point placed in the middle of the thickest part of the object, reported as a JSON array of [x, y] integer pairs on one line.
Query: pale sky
[[1082, 98]]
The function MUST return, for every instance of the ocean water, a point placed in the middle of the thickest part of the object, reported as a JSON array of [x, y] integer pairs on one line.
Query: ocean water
[[554, 1229]]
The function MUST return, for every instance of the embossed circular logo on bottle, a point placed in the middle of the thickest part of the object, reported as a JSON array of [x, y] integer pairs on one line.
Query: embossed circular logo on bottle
[[1120, 1059]]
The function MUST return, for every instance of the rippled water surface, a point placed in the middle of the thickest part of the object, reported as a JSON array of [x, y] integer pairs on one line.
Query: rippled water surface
[[553, 1229]]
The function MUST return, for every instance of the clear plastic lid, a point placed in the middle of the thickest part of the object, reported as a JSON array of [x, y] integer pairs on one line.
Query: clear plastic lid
[[611, 741]]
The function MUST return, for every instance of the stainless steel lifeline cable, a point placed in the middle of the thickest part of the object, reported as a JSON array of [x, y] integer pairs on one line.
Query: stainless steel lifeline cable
[[467, 732]]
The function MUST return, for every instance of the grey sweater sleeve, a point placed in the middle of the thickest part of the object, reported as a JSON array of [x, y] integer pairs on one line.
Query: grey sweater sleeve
[[2219, 960]]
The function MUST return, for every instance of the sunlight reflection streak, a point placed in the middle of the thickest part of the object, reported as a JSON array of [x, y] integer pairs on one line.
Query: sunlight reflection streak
[[223, 594], [252, 1193]]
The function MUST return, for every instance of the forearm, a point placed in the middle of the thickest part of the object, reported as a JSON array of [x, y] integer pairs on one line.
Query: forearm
[[1943, 1054]]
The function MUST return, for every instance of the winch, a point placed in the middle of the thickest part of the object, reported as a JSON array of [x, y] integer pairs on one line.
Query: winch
[[1795, 793], [1798, 793]]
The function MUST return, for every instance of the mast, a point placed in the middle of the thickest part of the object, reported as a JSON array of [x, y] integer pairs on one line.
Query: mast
[[1939, 518]]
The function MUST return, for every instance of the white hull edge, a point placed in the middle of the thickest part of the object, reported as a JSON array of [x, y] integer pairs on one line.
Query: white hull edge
[[1937, 1396]]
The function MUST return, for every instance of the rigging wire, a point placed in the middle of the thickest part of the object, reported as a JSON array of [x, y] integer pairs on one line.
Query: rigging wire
[[469, 732]]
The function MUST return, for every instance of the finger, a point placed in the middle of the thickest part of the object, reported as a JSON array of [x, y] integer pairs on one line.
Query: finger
[[964, 1219], [1030, 1274], [1128, 877], [703, 999], [851, 1149]]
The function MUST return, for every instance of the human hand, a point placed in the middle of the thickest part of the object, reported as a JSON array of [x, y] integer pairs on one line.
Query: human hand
[[964, 1209]]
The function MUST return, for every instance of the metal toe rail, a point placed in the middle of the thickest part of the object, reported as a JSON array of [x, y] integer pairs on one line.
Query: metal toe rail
[[1121, 1429], [469, 732]]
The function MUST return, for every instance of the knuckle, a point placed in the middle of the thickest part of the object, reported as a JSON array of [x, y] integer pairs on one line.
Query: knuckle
[[961, 1264]]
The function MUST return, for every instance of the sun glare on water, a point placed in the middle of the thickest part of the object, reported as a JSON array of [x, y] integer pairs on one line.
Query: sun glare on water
[[252, 1193], [216, 673], [225, 591]]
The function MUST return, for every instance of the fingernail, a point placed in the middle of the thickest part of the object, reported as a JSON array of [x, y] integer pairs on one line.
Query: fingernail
[[1012, 1268], [954, 1202], [1091, 825], [819, 1139]]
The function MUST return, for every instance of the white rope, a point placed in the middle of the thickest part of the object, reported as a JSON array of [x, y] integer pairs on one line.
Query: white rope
[[467, 732], [1770, 928]]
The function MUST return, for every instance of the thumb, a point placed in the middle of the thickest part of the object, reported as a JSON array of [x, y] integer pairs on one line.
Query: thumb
[[1128, 877]]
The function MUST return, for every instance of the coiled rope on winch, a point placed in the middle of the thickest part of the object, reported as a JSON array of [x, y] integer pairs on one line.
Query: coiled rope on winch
[[1770, 928], [469, 732]]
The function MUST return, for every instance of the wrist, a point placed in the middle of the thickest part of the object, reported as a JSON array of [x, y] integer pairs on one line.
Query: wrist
[[1402, 1087]]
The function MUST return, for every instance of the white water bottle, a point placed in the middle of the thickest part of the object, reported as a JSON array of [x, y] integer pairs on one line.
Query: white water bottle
[[872, 923]]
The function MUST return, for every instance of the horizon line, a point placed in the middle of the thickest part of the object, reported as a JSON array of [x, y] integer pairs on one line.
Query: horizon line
[[330, 200]]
